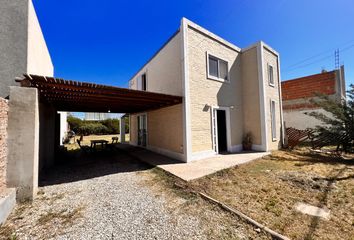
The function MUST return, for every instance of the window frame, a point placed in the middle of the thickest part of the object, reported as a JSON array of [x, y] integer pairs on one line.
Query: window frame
[[273, 120], [211, 77], [271, 75]]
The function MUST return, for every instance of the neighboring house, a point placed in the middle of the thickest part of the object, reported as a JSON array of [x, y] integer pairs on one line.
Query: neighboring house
[[297, 93], [227, 92], [22, 46], [91, 116]]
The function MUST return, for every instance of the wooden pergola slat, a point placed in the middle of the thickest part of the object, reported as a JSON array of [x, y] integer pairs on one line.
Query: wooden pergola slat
[[68, 95]]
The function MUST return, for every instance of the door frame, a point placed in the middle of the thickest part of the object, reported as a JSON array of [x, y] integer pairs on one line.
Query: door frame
[[214, 128], [137, 117]]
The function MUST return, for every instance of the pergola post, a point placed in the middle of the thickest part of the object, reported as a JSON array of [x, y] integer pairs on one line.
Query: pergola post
[[122, 129], [23, 142]]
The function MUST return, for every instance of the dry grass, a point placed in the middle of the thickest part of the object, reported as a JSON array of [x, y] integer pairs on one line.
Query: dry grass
[[268, 189], [43, 218], [63, 216], [87, 140], [216, 223]]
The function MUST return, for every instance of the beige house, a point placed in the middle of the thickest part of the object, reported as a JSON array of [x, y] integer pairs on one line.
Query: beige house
[[227, 92]]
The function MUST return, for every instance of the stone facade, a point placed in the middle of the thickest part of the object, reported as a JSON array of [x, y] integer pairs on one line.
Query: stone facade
[[3, 141]]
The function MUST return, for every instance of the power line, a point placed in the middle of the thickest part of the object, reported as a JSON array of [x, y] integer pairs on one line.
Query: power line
[[336, 59], [319, 54], [318, 60]]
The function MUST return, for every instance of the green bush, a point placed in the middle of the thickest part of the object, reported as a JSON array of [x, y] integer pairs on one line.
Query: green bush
[[112, 125], [93, 128], [74, 123], [82, 127]]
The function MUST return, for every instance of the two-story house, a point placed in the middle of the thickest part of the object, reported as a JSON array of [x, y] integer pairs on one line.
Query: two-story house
[[227, 92]]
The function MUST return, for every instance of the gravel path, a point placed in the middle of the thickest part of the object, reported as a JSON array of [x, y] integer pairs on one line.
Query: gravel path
[[112, 205]]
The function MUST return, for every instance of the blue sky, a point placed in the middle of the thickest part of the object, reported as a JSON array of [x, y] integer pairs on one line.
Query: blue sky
[[107, 41]]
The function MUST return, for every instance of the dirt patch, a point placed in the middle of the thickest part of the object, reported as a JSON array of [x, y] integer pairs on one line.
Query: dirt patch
[[44, 218], [268, 189], [305, 180]]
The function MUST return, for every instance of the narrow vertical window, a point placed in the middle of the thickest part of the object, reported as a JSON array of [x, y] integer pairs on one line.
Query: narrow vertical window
[[143, 82], [273, 119], [270, 75]]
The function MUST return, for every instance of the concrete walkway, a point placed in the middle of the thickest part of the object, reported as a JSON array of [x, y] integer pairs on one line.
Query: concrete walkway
[[192, 170]]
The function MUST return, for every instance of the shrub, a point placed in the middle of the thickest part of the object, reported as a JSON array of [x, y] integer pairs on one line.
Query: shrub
[[93, 128], [112, 125], [74, 123], [83, 127]]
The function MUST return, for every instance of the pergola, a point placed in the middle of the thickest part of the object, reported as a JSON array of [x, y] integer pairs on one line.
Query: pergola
[[74, 96], [34, 122]]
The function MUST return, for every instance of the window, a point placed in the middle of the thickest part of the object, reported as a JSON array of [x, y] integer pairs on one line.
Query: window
[[273, 119], [270, 75], [217, 68], [142, 82]]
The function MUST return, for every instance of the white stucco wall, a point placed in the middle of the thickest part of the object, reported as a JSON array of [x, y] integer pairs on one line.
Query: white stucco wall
[[38, 57], [164, 75], [164, 70], [299, 120]]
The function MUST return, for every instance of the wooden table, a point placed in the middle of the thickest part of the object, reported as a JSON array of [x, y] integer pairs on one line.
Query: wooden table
[[95, 142]]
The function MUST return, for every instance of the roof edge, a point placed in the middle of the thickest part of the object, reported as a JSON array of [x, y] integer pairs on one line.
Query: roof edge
[[197, 27]]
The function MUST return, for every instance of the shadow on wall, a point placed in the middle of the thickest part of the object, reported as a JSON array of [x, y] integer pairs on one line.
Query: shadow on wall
[[230, 95]]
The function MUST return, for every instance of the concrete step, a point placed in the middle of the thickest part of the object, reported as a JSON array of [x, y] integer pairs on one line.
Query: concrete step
[[7, 203]]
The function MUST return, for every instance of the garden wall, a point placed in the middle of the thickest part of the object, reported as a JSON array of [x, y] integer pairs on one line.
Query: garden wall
[[3, 138]]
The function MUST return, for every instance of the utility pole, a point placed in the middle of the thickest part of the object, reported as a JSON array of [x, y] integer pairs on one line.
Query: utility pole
[[336, 58]]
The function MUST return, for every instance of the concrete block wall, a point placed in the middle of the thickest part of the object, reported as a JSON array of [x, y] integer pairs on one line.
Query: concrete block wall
[[3, 141]]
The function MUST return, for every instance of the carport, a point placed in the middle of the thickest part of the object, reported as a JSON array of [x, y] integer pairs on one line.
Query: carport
[[34, 122]]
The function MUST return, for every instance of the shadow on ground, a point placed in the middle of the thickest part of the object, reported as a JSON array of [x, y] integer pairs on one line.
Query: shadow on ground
[[310, 158], [77, 165]]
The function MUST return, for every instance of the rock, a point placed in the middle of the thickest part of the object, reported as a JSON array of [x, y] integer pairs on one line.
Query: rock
[[312, 210]]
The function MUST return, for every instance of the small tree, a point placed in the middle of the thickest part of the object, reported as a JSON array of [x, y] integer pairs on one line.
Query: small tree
[[339, 123]]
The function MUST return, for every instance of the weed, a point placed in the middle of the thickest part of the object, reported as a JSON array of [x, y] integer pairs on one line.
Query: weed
[[64, 216]]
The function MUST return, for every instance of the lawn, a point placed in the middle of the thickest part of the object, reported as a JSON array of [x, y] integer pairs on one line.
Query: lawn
[[268, 189], [86, 140]]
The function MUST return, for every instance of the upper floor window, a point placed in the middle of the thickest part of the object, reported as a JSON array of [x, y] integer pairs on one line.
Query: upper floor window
[[217, 68], [270, 75], [142, 82]]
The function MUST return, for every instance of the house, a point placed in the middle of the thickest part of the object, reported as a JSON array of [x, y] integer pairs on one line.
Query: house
[[23, 48], [227, 92], [297, 94], [95, 116]]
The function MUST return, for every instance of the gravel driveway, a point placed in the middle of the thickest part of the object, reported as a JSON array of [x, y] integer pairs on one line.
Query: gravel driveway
[[108, 197]]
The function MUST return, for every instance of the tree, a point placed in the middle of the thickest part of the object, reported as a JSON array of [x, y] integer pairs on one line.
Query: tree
[[338, 128]]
